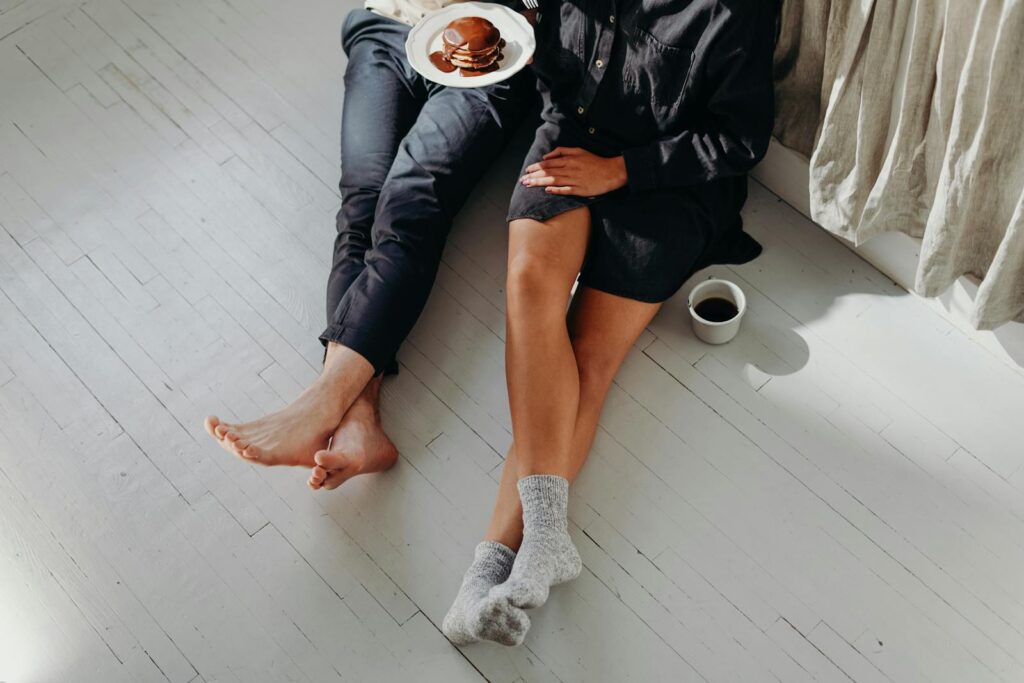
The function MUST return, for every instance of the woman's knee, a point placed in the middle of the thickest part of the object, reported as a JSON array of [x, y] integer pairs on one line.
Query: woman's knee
[[597, 364], [542, 267], [534, 281]]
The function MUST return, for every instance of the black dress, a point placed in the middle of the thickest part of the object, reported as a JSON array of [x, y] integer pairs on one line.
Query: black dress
[[683, 90]]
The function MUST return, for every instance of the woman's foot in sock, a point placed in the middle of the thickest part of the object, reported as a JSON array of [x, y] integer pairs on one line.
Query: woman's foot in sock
[[358, 446], [476, 616], [547, 555]]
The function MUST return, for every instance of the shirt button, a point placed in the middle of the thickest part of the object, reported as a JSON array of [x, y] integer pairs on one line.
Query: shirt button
[[579, 110], [590, 130], [599, 63]]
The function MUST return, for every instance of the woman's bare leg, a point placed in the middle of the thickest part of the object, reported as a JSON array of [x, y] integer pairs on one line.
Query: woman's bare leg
[[602, 327], [543, 381], [543, 387], [547, 555], [506, 526], [292, 435]]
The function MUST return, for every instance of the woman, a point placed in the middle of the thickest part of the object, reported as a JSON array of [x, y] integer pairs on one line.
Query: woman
[[653, 114]]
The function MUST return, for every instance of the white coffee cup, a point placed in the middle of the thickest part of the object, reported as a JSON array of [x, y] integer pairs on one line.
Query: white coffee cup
[[711, 331]]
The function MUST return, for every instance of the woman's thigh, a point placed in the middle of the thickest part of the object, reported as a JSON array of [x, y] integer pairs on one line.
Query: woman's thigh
[[532, 201], [547, 253], [603, 327]]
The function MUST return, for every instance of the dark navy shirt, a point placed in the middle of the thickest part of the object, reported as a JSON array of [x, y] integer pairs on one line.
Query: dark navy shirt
[[681, 88]]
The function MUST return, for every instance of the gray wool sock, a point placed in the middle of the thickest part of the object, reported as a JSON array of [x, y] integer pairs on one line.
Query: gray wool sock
[[475, 615], [547, 556]]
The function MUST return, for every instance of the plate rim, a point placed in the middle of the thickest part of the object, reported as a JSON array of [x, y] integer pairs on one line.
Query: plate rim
[[463, 8]]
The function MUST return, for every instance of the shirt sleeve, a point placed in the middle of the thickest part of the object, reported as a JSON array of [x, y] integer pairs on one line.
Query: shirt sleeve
[[734, 134]]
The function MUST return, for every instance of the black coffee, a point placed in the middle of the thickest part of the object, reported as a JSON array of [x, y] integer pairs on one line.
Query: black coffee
[[716, 310]]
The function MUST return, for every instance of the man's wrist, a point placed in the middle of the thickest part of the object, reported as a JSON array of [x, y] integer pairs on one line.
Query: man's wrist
[[531, 16]]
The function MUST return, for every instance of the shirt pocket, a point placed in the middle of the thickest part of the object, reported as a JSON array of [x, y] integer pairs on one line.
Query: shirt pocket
[[658, 74]]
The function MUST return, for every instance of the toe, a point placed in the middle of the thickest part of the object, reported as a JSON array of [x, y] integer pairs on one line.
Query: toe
[[231, 442], [336, 478], [226, 445], [331, 460], [250, 452], [316, 478], [220, 430], [211, 423]]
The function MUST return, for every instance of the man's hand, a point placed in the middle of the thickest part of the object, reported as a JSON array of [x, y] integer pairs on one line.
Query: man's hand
[[531, 18], [572, 170]]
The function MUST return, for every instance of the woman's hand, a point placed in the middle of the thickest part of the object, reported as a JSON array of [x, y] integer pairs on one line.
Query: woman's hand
[[572, 170]]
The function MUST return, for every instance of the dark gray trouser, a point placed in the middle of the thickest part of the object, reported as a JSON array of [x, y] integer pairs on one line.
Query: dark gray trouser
[[411, 153]]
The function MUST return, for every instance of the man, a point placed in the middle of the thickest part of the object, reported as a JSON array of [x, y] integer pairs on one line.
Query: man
[[411, 152]]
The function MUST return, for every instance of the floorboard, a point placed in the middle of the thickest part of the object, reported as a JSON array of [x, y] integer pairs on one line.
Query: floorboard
[[836, 495]]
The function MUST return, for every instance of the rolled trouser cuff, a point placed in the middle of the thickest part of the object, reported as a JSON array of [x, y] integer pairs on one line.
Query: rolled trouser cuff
[[359, 340]]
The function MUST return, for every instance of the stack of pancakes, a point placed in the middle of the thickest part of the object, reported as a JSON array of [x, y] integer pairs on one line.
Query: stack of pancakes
[[472, 44]]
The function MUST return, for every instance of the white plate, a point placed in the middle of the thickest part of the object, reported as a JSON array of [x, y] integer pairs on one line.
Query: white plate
[[425, 37]]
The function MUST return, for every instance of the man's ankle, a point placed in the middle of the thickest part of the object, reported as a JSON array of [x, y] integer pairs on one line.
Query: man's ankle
[[367, 404], [340, 361]]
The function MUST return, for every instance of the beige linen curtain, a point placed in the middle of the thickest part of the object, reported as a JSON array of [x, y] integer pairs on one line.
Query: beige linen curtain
[[912, 115]]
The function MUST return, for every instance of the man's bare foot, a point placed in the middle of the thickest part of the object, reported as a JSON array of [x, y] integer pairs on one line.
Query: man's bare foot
[[359, 445], [289, 436], [292, 435]]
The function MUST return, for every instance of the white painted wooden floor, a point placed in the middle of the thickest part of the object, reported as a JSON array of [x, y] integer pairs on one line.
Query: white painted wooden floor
[[836, 495]]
